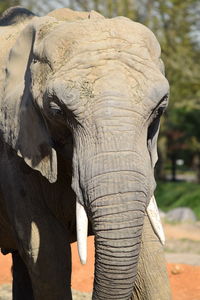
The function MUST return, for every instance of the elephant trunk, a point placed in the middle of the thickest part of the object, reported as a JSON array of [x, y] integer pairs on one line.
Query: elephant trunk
[[117, 202], [118, 230], [112, 177]]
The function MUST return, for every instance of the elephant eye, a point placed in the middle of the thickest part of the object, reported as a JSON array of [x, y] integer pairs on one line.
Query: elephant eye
[[55, 109], [159, 109], [159, 112], [161, 106], [155, 117]]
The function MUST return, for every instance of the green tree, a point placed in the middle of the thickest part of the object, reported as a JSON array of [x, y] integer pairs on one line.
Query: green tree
[[176, 28], [4, 4]]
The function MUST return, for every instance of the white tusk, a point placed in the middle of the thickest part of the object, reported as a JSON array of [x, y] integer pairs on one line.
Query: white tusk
[[154, 217], [35, 241], [82, 231]]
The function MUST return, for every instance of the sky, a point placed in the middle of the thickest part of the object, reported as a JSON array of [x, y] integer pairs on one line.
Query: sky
[[41, 7]]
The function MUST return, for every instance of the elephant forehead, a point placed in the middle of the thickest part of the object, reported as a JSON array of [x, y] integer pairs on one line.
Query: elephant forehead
[[68, 38], [112, 73], [98, 48]]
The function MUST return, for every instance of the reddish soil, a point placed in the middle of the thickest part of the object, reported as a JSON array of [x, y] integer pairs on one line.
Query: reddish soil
[[5, 264], [185, 279]]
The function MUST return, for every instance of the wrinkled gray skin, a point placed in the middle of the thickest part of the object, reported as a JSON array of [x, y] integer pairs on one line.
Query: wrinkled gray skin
[[80, 100]]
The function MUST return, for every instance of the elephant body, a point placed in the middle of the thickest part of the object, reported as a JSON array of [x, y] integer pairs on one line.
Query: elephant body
[[80, 101]]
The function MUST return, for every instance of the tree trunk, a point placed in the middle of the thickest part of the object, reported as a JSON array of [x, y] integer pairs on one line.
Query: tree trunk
[[173, 167], [196, 163]]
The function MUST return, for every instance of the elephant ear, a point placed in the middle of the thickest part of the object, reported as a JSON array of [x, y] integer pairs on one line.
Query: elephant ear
[[21, 122]]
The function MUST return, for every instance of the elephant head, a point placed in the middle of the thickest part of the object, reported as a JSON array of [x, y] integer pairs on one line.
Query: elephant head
[[95, 85]]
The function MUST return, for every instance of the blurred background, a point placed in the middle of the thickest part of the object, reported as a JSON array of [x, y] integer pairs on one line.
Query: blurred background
[[176, 23]]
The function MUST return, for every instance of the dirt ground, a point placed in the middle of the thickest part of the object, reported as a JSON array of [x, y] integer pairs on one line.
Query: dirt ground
[[182, 254]]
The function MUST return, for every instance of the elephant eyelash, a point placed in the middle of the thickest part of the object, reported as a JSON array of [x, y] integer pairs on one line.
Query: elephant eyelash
[[161, 106], [55, 109], [159, 109]]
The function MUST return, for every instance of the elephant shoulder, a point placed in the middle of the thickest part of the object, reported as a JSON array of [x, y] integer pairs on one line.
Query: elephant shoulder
[[14, 15]]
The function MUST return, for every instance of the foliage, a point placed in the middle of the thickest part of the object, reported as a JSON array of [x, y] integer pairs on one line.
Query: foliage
[[180, 53], [4, 4], [170, 195]]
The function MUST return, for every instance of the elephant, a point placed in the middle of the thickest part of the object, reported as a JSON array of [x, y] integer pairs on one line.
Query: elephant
[[81, 98]]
